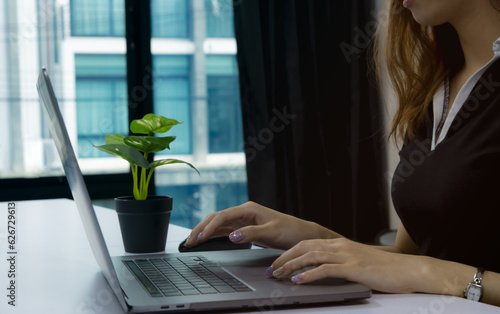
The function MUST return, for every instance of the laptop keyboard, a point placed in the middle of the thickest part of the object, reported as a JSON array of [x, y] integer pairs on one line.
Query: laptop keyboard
[[193, 275]]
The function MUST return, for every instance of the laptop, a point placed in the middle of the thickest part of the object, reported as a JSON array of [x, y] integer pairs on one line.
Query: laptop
[[219, 280]]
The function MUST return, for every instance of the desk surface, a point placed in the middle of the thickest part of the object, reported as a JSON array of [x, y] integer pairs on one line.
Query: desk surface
[[56, 271]]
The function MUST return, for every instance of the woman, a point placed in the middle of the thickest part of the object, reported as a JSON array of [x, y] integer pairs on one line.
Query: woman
[[447, 78]]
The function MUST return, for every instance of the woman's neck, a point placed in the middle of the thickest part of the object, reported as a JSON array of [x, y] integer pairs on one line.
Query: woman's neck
[[477, 31]]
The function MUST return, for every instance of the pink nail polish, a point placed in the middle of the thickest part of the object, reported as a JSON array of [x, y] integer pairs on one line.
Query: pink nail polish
[[278, 272], [297, 278], [199, 237], [269, 271], [236, 236]]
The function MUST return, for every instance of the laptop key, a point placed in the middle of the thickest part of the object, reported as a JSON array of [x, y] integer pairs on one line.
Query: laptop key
[[208, 290], [163, 287], [172, 294], [169, 289], [217, 282], [224, 289], [202, 285], [232, 281]]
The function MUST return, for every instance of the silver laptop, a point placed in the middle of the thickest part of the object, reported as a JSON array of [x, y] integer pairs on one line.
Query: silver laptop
[[219, 280]]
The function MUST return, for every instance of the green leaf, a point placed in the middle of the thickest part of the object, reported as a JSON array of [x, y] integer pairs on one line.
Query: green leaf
[[163, 162], [152, 123], [114, 139], [149, 144], [130, 154]]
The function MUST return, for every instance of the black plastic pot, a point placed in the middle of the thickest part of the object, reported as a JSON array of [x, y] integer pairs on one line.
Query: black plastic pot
[[144, 224]]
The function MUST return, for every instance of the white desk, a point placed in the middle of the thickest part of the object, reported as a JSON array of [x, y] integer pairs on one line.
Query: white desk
[[56, 271]]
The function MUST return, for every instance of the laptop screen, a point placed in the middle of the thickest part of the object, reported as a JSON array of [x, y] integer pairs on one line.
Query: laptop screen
[[76, 182]]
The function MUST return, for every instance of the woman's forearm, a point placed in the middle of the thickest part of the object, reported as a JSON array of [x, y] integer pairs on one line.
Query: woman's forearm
[[451, 278]]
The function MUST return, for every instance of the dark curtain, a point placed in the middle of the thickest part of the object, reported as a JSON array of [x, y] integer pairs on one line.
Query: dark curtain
[[311, 114]]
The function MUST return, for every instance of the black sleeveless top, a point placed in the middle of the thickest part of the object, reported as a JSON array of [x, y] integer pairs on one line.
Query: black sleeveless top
[[449, 199]]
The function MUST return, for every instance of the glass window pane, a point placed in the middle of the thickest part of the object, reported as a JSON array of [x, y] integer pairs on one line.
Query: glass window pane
[[171, 98], [88, 75], [97, 17], [101, 100], [223, 98], [219, 17], [169, 19], [193, 85]]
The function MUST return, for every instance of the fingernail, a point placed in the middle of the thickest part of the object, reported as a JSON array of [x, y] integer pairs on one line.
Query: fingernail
[[269, 271], [187, 240], [278, 272], [236, 236], [297, 278], [199, 237]]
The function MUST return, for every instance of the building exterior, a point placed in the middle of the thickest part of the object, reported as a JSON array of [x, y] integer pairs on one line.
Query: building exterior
[[82, 43]]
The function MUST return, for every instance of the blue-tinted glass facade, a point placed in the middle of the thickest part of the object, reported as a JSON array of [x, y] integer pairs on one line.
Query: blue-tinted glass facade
[[219, 17], [101, 100], [170, 18], [187, 201], [232, 195], [223, 100], [172, 98], [98, 18]]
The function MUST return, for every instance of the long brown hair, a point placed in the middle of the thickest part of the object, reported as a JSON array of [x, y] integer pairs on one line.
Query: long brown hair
[[418, 58]]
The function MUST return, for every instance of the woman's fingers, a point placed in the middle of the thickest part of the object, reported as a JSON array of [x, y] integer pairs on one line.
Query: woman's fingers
[[196, 233], [300, 249], [263, 234], [311, 258], [260, 234], [252, 222], [219, 223], [320, 272], [327, 255]]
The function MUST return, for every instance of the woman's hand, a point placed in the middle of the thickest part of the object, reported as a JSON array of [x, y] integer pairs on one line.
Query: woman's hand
[[255, 223], [336, 257], [380, 270], [343, 258]]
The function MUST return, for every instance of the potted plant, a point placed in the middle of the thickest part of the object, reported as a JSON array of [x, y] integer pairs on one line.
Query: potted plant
[[143, 219]]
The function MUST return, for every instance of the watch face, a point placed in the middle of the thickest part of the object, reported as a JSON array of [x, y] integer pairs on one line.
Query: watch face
[[474, 292]]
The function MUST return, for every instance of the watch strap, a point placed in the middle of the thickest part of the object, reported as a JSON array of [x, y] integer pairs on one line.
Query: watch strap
[[475, 285], [478, 277]]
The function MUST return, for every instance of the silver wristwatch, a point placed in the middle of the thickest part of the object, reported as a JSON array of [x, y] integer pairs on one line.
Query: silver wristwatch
[[474, 290]]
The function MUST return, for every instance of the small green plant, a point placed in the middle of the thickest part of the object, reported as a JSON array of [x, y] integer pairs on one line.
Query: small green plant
[[135, 149]]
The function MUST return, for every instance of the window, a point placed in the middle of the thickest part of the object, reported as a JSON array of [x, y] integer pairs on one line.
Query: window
[[172, 98], [195, 80], [97, 18], [170, 19], [224, 111], [101, 100], [219, 17], [88, 74]]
